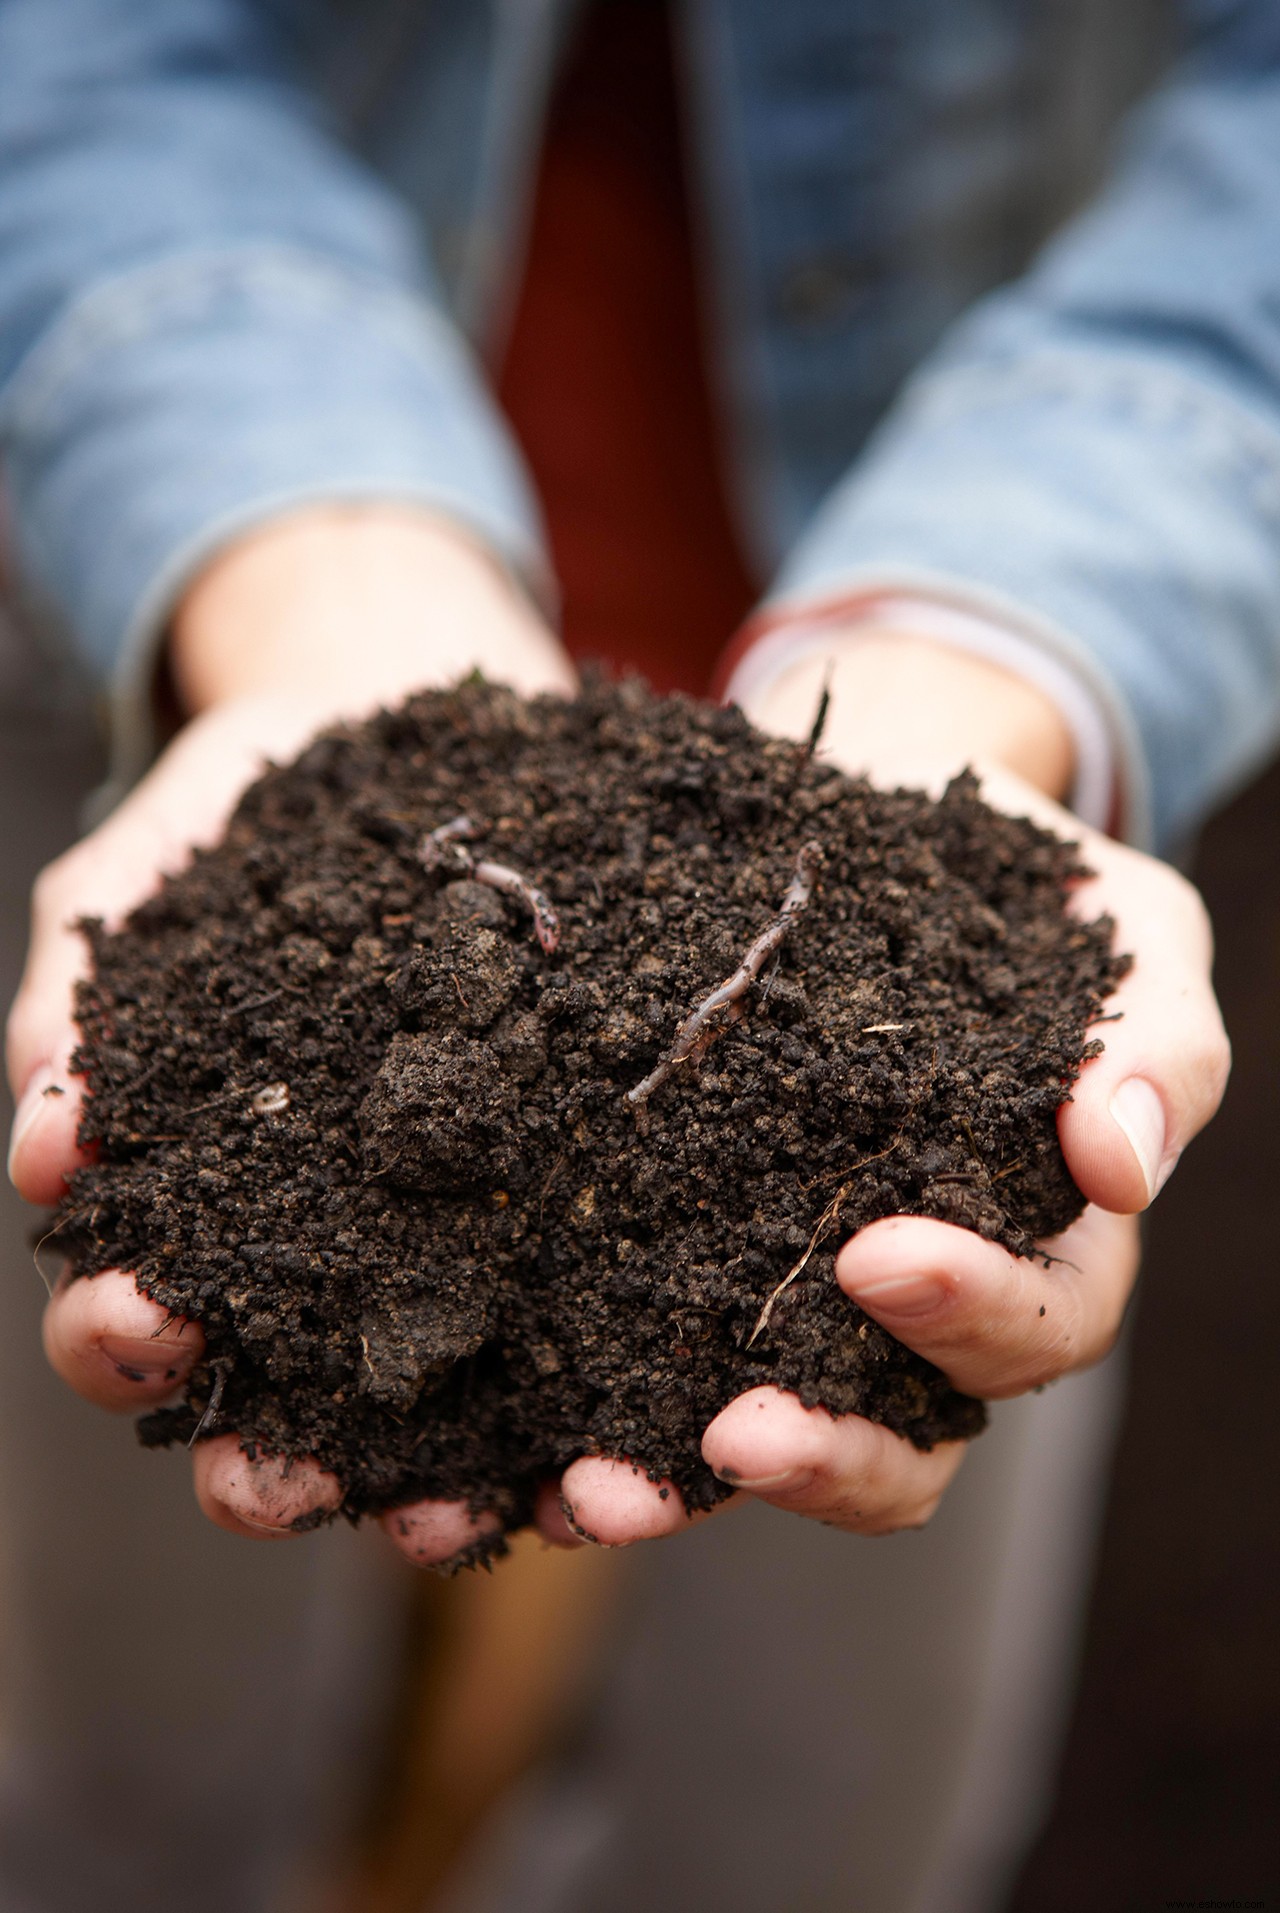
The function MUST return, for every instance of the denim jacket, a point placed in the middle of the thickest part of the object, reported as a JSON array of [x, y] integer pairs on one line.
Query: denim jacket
[[253, 252]]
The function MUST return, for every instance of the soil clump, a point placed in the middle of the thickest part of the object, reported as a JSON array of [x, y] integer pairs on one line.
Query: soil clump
[[360, 1111]]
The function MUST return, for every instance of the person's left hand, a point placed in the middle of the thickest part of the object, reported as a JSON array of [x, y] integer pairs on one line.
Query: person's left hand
[[995, 1325]]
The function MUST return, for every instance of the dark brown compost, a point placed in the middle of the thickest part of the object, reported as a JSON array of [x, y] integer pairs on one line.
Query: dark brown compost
[[361, 1113]]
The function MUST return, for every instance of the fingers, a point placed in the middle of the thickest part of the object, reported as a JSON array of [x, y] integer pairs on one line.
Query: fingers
[[995, 1324], [115, 1346], [437, 1534], [1164, 1067], [184, 801], [623, 1505], [41, 1034], [613, 1504], [43, 1149], [122, 1351], [259, 1495], [441, 1534], [847, 1472]]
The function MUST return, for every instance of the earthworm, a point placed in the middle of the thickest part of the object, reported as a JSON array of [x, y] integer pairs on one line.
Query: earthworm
[[697, 1030], [446, 840]]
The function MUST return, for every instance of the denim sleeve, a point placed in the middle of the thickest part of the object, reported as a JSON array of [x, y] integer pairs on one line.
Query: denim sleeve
[[209, 313], [1093, 457]]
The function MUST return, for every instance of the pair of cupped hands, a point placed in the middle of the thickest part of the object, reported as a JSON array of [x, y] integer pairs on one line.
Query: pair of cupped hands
[[331, 612]]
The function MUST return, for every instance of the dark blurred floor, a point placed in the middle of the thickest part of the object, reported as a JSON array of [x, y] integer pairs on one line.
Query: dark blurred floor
[[1172, 1774]]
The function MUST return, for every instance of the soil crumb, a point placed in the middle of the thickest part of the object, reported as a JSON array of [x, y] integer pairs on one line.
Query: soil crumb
[[361, 1101]]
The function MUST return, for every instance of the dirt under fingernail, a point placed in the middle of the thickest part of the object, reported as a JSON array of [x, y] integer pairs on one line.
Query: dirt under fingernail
[[354, 1118]]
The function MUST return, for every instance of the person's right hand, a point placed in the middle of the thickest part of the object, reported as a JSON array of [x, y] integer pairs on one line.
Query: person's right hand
[[319, 618]]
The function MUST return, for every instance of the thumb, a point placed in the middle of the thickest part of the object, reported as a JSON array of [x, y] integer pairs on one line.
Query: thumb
[[1164, 1067]]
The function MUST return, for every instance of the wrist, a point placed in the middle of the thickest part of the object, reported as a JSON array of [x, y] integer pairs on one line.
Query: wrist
[[357, 606], [899, 701]]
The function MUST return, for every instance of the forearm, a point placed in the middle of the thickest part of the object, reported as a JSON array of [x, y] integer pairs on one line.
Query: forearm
[[360, 606], [364, 605], [1090, 457], [903, 706], [212, 313]]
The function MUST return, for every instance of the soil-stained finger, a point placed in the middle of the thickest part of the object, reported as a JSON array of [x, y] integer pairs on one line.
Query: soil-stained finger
[[1164, 1066], [613, 1503], [438, 1534], [994, 1323], [182, 802], [114, 1345], [266, 1496], [43, 1150], [843, 1470], [1165, 1059]]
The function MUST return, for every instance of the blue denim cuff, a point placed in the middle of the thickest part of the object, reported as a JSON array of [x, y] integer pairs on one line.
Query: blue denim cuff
[[1115, 511], [183, 403]]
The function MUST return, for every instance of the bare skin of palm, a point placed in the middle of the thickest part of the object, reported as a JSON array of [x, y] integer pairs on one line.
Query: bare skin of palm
[[333, 601]]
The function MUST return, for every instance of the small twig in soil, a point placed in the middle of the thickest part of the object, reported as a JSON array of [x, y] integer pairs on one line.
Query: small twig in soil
[[704, 1023], [210, 1415], [829, 1215], [808, 750], [819, 724], [556, 1167], [216, 1102], [35, 1257], [152, 1069], [446, 842], [255, 1003], [864, 1162]]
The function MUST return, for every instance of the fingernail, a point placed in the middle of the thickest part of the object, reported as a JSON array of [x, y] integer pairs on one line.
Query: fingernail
[[271, 1529], [30, 1108], [902, 1295], [790, 1478], [146, 1361], [1137, 1108]]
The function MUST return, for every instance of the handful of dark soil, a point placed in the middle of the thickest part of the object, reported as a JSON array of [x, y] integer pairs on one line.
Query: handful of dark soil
[[420, 1119]]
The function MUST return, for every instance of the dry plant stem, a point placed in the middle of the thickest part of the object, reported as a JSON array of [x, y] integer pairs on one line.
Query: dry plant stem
[[698, 1029], [210, 1415], [829, 1215], [809, 749], [445, 841]]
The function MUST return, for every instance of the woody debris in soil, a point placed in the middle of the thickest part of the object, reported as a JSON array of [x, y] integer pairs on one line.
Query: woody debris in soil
[[471, 1163]]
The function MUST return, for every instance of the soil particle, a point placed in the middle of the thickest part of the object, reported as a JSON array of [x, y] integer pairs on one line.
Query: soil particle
[[351, 1115]]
